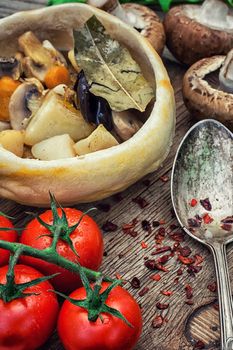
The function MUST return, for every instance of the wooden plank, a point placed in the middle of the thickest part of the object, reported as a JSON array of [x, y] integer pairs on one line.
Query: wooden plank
[[124, 254]]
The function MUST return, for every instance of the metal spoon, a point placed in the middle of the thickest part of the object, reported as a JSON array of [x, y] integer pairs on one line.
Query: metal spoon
[[203, 168]]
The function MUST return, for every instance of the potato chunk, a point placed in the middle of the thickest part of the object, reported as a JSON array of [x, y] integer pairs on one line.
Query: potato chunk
[[12, 140], [56, 117], [99, 139], [56, 147]]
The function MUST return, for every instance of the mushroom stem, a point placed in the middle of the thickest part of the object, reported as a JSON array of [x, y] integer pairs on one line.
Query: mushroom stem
[[111, 6], [226, 73]]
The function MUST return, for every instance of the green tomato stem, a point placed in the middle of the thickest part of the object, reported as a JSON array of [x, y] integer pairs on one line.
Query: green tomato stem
[[50, 255]]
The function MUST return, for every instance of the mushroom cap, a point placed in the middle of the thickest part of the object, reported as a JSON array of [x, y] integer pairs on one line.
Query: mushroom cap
[[202, 100], [100, 174], [189, 40], [148, 23]]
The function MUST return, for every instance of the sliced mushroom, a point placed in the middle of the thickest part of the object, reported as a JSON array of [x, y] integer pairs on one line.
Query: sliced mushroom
[[57, 57], [24, 102], [203, 100], [11, 67], [140, 17], [125, 124], [198, 31], [38, 59], [226, 73]]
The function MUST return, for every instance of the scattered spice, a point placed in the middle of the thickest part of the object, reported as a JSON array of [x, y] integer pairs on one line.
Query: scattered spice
[[105, 207], [185, 261], [163, 259], [164, 178], [184, 251], [144, 245], [193, 269], [199, 345], [207, 218], [118, 276], [188, 291], [193, 202], [155, 223], [146, 226], [135, 283], [189, 302], [167, 293], [173, 227], [161, 250], [129, 228], [228, 220], [162, 306], [180, 271], [157, 321], [162, 222], [154, 265], [109, 226], [105, 254], [212, 287], [198, 259], [206, 204], [141, 202], [226, 227], [177, 236], [143, 291], [176, 280], [156, 277]]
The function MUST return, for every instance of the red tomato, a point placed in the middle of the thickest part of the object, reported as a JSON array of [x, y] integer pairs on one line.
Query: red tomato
[[87, 241], [10, 236], [76, 332], [26, 323]]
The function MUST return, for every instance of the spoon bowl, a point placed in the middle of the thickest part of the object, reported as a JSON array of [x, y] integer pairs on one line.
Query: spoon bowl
[[202, 197]]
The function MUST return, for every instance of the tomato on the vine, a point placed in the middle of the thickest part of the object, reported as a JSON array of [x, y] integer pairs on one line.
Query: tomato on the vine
[[86, 239], [110, 333], [6, 235], [27, 322]]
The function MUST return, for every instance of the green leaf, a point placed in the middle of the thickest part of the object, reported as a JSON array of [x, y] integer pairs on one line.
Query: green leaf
[[109, 68]]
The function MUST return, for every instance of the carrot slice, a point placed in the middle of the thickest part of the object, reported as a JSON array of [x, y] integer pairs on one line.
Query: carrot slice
[[57, 75], [7, 87]]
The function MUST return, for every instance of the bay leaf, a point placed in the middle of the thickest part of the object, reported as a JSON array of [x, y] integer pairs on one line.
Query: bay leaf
[[110, 70]]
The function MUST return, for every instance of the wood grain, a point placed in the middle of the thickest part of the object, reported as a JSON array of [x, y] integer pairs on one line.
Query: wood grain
[[125, 256]]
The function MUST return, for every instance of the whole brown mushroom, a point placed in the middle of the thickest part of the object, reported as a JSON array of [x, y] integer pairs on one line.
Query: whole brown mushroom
[[205, 101], [198, 31], [140, 17]]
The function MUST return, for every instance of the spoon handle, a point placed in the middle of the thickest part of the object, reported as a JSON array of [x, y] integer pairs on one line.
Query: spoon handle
[[224, 295]]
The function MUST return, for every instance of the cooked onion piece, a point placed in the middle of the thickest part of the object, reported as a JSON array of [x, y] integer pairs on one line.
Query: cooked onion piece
[[56, 147], [226, 73], [100, 138], [56, 117], [13, 141]]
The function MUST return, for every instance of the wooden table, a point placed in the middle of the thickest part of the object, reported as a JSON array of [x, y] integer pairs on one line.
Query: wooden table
[[184, 325]]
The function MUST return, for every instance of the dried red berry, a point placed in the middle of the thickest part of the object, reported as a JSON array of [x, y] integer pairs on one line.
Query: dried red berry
[[206, 204], [185, 261], [180, 271], [143, 291], [212, 287], [168, 293], [161, 231], [157, 322], [207, 218], [141, 202], [109, 226], [162, 306], [156, 277], [135, 283], [188, 291], [193, 202]]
